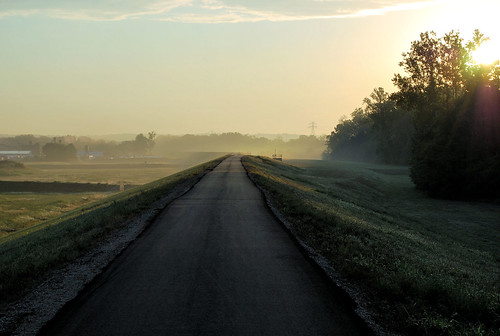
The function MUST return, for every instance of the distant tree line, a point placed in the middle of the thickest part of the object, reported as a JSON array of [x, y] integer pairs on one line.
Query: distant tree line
[[304, 146], [57, 149], [379, 132], [444, 120], [65, 148], [54, 151], [141, 145]]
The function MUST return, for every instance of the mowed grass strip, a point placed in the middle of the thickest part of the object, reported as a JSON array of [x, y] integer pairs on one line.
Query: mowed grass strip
[[424, 266], [26, 256]]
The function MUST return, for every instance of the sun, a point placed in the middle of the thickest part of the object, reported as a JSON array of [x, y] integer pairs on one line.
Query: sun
[[487, 53]]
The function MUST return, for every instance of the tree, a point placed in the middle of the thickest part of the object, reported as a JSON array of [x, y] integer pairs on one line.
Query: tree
[[379, 132], [444, 89], [59, 152], [352, 139], [151, 141], [480, 74], [391, 126], [140, 144]]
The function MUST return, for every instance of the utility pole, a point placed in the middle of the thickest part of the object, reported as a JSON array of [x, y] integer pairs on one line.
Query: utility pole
[[313, 126]]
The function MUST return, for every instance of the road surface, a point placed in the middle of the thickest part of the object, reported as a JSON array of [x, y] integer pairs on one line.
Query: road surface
[[215, 262]]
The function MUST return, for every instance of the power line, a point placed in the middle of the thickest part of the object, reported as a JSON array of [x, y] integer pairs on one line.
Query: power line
[[313, 126]]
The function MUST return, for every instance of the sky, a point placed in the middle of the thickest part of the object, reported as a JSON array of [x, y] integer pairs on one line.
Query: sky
[[94, 67]]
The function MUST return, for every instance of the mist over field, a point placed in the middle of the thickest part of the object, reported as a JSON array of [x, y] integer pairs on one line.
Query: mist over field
[[167, 146]]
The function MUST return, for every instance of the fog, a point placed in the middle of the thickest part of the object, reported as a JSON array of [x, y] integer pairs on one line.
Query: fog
[[150, 145]]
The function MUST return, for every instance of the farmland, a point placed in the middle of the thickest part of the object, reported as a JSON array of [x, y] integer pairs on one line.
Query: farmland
[[133, 171]]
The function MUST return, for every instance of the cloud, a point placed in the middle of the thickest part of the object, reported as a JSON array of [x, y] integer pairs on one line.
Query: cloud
[[208, 11], [391, 8], [104, 10]]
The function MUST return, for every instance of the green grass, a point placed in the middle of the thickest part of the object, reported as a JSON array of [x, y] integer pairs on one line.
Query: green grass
[[28, 255], [424, 266], [21, 211]]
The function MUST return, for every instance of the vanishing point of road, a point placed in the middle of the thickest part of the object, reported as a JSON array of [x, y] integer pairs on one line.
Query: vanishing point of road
[[215, 262]]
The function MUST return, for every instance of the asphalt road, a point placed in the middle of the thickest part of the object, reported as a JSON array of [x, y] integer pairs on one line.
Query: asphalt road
[[216, 262]]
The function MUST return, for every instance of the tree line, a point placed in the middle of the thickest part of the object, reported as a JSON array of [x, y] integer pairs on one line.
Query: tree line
[[444, 120], [59, 151], [66, 147]]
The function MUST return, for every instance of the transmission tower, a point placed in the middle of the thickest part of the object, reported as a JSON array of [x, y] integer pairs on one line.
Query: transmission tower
[[313, 126]]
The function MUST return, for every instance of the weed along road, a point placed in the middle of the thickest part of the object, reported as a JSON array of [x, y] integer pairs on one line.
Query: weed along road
[[215, 262]]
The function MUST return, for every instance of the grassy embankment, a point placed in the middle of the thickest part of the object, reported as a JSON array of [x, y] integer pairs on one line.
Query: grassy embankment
[[26, 256], [21, 211], [424, 266]]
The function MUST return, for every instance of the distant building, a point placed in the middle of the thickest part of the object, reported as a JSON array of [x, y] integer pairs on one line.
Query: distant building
[[15, 155], [86, 155]]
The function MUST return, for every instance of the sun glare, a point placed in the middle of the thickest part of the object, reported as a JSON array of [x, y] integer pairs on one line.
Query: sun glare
[[486, 54], [465, 16]]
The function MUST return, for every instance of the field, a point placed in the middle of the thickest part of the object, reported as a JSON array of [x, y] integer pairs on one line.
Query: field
[[422, 266], [22, 210], [127, 172]]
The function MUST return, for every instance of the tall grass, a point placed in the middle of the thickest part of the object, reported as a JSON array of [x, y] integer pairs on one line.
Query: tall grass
[[28, 255], [417, 272]]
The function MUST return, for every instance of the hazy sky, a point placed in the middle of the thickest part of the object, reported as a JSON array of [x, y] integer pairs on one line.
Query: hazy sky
[[88, 67]]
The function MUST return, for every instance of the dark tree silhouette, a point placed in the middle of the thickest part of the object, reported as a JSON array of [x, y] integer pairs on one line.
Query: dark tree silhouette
[[448, 95], [59, 152], [392, 127], [379, 132], [151, 141], [353, 139]]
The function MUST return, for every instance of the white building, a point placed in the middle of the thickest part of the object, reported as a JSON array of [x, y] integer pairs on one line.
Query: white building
[[15, 155]]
